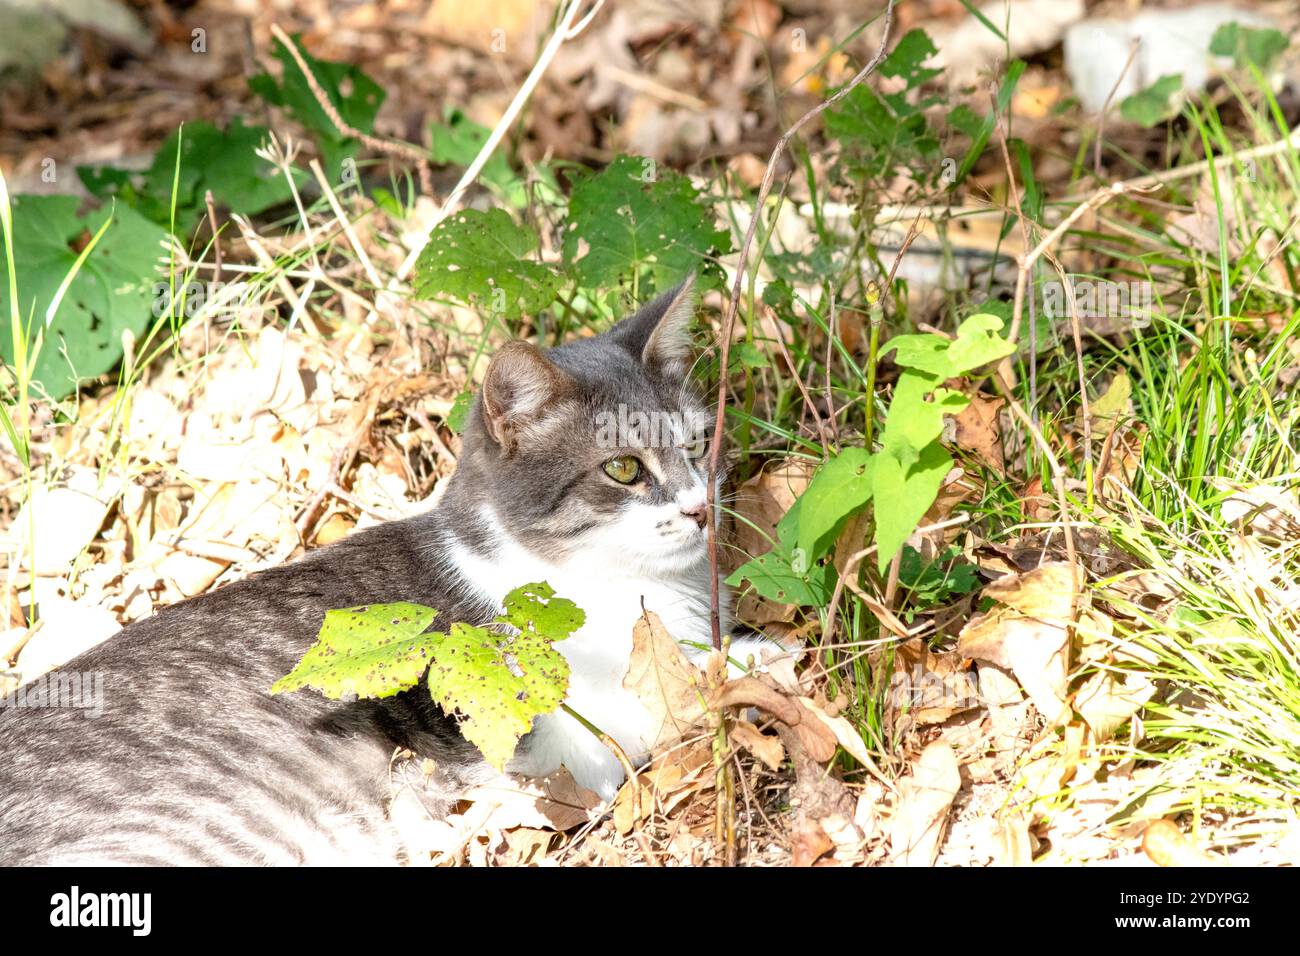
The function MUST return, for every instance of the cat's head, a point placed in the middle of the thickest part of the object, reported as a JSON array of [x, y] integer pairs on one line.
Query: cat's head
[[597, 447]]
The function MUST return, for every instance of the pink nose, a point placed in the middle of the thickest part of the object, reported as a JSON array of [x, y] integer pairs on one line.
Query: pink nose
[[699, 513]]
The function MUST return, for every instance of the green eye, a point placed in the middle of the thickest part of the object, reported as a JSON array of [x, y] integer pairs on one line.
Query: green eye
[[624, 469]]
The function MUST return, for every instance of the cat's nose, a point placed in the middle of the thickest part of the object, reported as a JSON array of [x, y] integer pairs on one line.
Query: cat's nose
[[699, 513]]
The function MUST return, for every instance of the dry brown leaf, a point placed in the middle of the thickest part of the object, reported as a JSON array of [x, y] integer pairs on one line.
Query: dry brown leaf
[[763, 746], [808, 842], [977, 430], [665, 682], [1029, 636], [1167, 845], [1107, 700], [926, 797]]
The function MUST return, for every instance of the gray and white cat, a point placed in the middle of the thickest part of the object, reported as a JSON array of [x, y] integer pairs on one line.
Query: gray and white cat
[[192, 761]]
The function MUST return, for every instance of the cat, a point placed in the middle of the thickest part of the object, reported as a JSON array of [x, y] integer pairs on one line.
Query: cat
[[192, 761]]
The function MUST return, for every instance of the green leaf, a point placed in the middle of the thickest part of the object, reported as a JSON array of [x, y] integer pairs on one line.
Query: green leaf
[[497, 685], [355, 96], [478, 258], [915, 417], [535, 608], [905, 61], [904, 493], [373, 651], [636, 217], [977, 344], [458, 140], [746, 355], [1248, 45], [459, 409], [840, 488], [223, 162], [772, 576], [1154, 104], [113, 292], [931, 583], [924, 351]]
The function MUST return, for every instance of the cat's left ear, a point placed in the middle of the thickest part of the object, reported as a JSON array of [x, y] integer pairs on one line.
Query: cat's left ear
[[659, 334]]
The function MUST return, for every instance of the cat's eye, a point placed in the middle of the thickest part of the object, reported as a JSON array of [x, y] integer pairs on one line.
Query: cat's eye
[[624, 469]]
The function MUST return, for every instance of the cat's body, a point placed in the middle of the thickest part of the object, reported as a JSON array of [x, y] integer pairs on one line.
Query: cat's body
[[193, 761]]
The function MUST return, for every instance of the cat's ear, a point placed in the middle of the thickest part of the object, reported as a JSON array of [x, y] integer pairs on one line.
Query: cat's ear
[[659, 334], [520, 384]]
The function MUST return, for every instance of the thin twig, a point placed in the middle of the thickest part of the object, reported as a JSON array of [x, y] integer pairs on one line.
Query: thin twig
[[567, 29], [387, 147], [733, 305]]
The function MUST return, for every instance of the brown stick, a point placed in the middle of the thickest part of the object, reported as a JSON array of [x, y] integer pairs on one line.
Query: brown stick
[[733, 306], [387, 147]]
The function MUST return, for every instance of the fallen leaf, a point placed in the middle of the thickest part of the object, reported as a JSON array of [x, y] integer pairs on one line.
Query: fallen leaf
[[808, 842], [665, 682], [977, 430], [925, 799], [57, 522], [1167, 845], [1029, 635], [765, 747]]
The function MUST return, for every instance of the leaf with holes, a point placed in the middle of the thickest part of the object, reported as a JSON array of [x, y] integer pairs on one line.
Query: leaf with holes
[[497, 685], [536, 609], [478, 258], [373, 651], [637, 217], [111, 294]]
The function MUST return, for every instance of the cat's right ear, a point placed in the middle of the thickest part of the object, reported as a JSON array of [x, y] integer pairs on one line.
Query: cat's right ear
[[520, 384]]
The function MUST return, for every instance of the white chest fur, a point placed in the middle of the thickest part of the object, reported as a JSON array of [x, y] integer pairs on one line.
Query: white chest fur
[[598, 654]]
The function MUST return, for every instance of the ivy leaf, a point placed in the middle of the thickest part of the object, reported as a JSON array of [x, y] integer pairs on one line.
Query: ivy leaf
[[355, 96], [840, 487], [497, 685], [478, 258], [636, 216], [112, 293], [1152, 105], [909, 492], [924, 351], [373, 651]]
